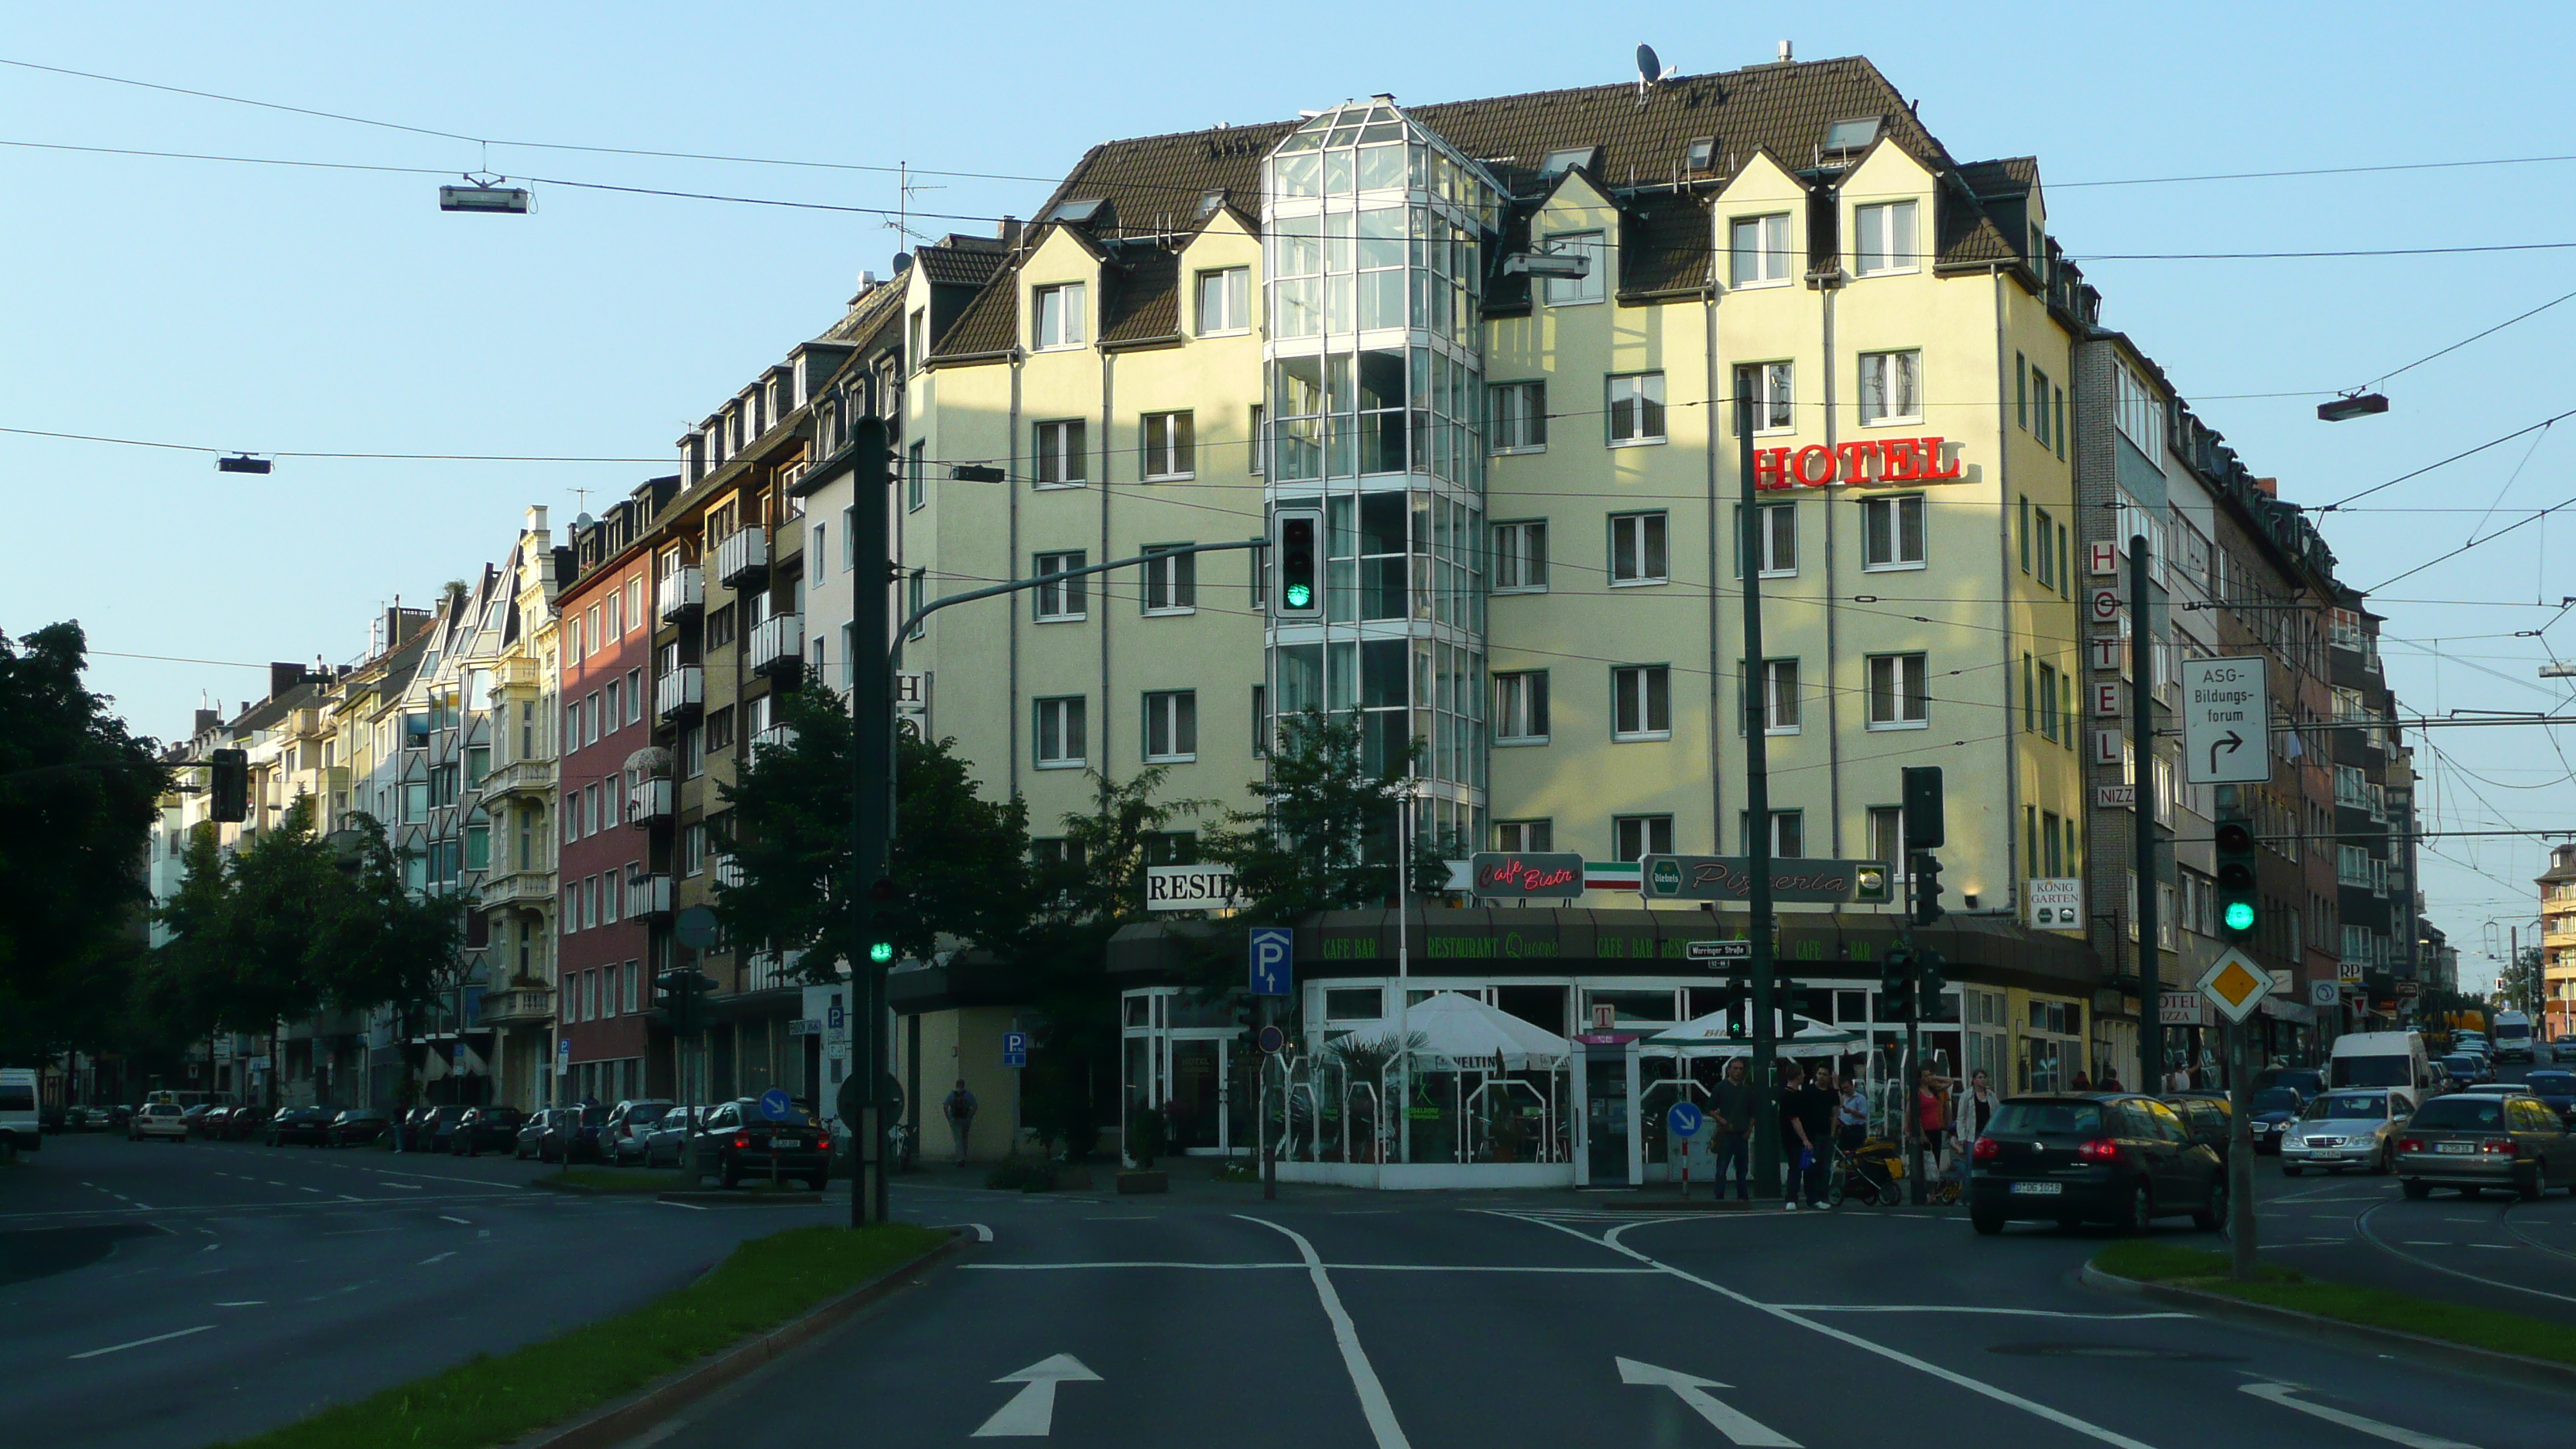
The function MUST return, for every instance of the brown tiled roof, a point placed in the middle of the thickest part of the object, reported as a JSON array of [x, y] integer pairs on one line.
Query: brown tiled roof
[[962, 261], [2008, 176], [1663, 246], [1140, 296]]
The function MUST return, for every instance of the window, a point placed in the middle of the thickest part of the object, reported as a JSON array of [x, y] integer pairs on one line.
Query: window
[[1788, 834], [1636, 409], [1760, 250], [1060, 733], [1171, 580], [1558, 162], [2047, 555], [1059, 316], [1637, 552], [1520, 707], [720, 630], [1898, 699], [1225, 301], [916, 594], [916, 485], [1634, 837], [2039, 390], [1891, 532], [1775, 541], [1170, 446], [1563, 291], [1520, 557], [1700, 154], [1886, 240], [2136, 413], [1525, 835], [1060, 454], [693, 848], [917, 339], [478, 847], [1641, 702], [1260, 445], [2021, 391], [2048, 698], [1768, 384], [616, 697], [1780, 697], [634, 695], [1891, 387], [720, 729], [1062, 599], [590, 718], [1261, 721], [2061, 422], [634, 982], [1172, 725], [693, 751], [1518, 421], [1887, 835]]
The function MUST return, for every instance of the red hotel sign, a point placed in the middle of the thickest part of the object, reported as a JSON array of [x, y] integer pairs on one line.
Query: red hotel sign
[[1860, 463]]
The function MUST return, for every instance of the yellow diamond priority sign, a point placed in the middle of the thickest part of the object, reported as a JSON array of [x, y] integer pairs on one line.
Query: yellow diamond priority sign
[[2235, 985]]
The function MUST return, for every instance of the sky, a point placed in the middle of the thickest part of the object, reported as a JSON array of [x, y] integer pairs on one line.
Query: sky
[[275, 308]]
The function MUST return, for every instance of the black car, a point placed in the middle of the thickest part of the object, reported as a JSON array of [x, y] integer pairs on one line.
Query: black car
[[2205, 1118], [486, 1127], [2308, 1082], [2078, 1157], [2555, 1089], [359, 1124], [242, 1124], [2272, 1110], [307, 1126], [572, 1134], [431, 1127], [735, 1141]]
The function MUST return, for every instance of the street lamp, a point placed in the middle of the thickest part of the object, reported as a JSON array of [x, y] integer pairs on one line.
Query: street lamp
[[2351, 405]]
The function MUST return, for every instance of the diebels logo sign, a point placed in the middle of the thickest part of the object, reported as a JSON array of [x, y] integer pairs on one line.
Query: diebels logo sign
[[1860, 463], [1525, 875]]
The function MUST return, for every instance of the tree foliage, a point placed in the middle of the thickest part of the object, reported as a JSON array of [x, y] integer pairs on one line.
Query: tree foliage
[[1324, 836]]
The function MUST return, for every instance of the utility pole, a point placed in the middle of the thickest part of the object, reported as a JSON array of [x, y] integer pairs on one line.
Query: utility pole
[[870, 461], [1755, 680], [2142, 811]]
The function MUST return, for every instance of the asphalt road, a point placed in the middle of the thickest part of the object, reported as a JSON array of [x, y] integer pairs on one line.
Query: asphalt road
[[1434, 1322], [160, 1296]]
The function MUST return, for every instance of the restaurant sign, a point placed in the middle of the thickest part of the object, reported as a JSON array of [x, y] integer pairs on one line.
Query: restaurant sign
[[1793, 880], [1526, 875]]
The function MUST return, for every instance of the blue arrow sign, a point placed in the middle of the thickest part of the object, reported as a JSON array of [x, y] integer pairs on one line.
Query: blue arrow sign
[[774, 1104], [1273, 972], [1015, 1049], [1685, 1120]]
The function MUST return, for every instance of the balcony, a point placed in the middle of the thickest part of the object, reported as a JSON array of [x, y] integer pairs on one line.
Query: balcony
[[519, 1005], [679, 594], [517, 888], [680, 693], [778, 644], [648, 895], [776, 737], [743, 558], [533, 778], [652, 802]]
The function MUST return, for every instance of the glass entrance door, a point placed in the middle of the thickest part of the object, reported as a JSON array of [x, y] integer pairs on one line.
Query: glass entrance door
[[1606, 1117], [1195, 1110]]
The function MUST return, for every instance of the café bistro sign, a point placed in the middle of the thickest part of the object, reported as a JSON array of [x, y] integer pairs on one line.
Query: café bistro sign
[[1526, 875], [1859, 463]]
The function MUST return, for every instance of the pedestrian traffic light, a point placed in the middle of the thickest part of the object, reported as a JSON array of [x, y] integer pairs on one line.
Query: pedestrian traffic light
[[675, 998], [1895, 983], [229, 785], [883, 896], [1928, 981], [2237, 910], [1927, 888], [1297, 595]]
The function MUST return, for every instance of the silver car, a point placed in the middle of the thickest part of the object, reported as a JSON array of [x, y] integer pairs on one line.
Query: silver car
[[2347, 1127]]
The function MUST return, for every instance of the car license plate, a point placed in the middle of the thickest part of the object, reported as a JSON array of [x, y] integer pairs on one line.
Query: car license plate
[[786, 1142], [2460, 1147], [2038, 1189]]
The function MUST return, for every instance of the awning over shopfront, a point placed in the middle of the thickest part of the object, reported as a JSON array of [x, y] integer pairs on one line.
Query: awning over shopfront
[[1470, 1034]]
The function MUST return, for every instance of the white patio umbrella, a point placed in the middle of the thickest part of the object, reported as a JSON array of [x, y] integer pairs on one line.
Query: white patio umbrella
[[1464, 1030], [1710, 1036]]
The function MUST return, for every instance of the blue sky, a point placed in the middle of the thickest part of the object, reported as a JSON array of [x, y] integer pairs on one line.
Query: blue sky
[[275, 308]]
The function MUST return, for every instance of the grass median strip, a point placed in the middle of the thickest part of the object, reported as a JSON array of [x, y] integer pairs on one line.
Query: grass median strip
[[488, 1401], [2280, 1287]]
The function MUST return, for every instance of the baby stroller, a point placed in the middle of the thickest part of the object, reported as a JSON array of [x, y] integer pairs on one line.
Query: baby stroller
[[1869, 1174]]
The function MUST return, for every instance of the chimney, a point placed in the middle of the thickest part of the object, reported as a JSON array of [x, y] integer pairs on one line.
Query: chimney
[[283, 677], [536, 518], [1008, 230], [207, 719], [1785, 55], [2271, 487]]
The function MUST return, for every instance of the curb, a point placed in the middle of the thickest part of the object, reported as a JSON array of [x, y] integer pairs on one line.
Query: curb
[[616, 1423], [572, 1188], [740, 1199], [2439, 1352]]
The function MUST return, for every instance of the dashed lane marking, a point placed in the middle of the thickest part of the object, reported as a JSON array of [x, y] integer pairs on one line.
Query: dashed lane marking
[[140, 1342], [2281, 1394]]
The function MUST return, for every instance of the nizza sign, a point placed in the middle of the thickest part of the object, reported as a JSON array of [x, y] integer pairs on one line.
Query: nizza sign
[[1859, 463]]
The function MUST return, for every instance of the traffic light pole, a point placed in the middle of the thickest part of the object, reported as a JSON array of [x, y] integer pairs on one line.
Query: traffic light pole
[[1757, 813], [2142, 811], [870, 458]]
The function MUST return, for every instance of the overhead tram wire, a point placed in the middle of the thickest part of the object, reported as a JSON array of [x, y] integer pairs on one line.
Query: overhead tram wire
[[294, 453]]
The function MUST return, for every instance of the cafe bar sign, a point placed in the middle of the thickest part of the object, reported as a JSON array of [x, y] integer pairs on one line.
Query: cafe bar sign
[[1860, 463], [1793, 881], [1521, 875]]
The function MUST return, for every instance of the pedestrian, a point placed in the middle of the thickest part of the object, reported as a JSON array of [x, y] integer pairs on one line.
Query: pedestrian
[[1733, 1108], [2111, 1080], [1931, 1119], [1977, 1110], [1817, 1105], [960, 1109], [1795, 1145], [1851, 1119], [2083, 1083]]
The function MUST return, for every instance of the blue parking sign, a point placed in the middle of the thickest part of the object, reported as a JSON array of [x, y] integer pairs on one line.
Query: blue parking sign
[[1015, 1049], [1273, 971]]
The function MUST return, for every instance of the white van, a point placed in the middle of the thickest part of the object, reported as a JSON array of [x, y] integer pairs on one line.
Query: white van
[[2381, 1059], [20, 1127], [2512, 1037]]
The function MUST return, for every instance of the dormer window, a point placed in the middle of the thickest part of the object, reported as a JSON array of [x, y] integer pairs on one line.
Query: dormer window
[[1700, 154], [1209, 202], [1080, 211], [1852, 135], [1059, 316], [1560, 162]]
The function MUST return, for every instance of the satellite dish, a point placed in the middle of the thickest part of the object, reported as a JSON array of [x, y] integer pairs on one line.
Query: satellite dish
[[1648, 67]]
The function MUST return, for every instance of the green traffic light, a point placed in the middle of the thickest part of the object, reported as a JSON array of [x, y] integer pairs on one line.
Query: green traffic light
[[881, 952], [1300, 596], [2240, 915]]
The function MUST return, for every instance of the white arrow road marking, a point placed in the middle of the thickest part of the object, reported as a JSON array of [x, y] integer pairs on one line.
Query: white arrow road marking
[[2280, 1394], [1693, 1390], [1031, 1412], [983, 1234]]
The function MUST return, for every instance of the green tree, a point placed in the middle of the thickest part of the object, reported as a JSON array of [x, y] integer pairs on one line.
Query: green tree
[[379, 944], [1100, 874], [1324, 836], [77, 796], [960, 861]]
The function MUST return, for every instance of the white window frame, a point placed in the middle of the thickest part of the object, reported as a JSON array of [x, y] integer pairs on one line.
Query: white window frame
[[1887, 516], [1525, 835], [1173, 716], [1635, 540], [1057, 321], [1051, 715], [1775, 396], [1233, 296], [1067, 441], [1780, 696], [1521, 715], [1633, 691], [1168, 582], [1520, 557], [1899, 379], [1778, 522], [1644, 391], [1896, 667], [1520, 425], [1593, 285], [1881, 227], [1642, 829], [1773, 244], [1065, 601], [1174, 454]]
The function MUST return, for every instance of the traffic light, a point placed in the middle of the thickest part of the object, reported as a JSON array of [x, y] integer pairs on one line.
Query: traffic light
[[230, 785], [1921, 794], [882, 898], [675, 998], [1296, 536], [2237, 910], [1895, 984], [1928, 982], [1927, 888]]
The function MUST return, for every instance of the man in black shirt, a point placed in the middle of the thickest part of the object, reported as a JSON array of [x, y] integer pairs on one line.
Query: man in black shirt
[[1816, 1103], [1799, 1143]]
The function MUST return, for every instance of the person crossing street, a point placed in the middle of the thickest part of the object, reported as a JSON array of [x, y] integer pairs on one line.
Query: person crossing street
[[959, 1107], [1733, 1108]]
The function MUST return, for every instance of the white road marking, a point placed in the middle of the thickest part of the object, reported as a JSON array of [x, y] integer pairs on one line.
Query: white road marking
[[1738, 1427], [138, 1343], [1031, 1412], [1946, 1308], [1139, 1263], [210, 1247], [245, 1303], [1372, 1394], [460, 1222], [693, 1207], [983, 1234], [442, 1257], [2281, 1394], [402, 1186]]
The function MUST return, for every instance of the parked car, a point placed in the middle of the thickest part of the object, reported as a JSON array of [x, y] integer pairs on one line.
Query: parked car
[[118, 1115], [629, 1123], [2477, 1140], [194, 1114], [2462, 1069], [2556, 1089], [158, 1119], [431, 1128], [2347, 1127], [2205, 1117], [302, 1127], [573, 1134], [2308, 1082], [482, 1128], [358, 1124], [735, 1142], [2270, 1111], [50, 1120], [532, 1133], [21, 1126], [241, 1124], [2093, 1157], [667, 1141]]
